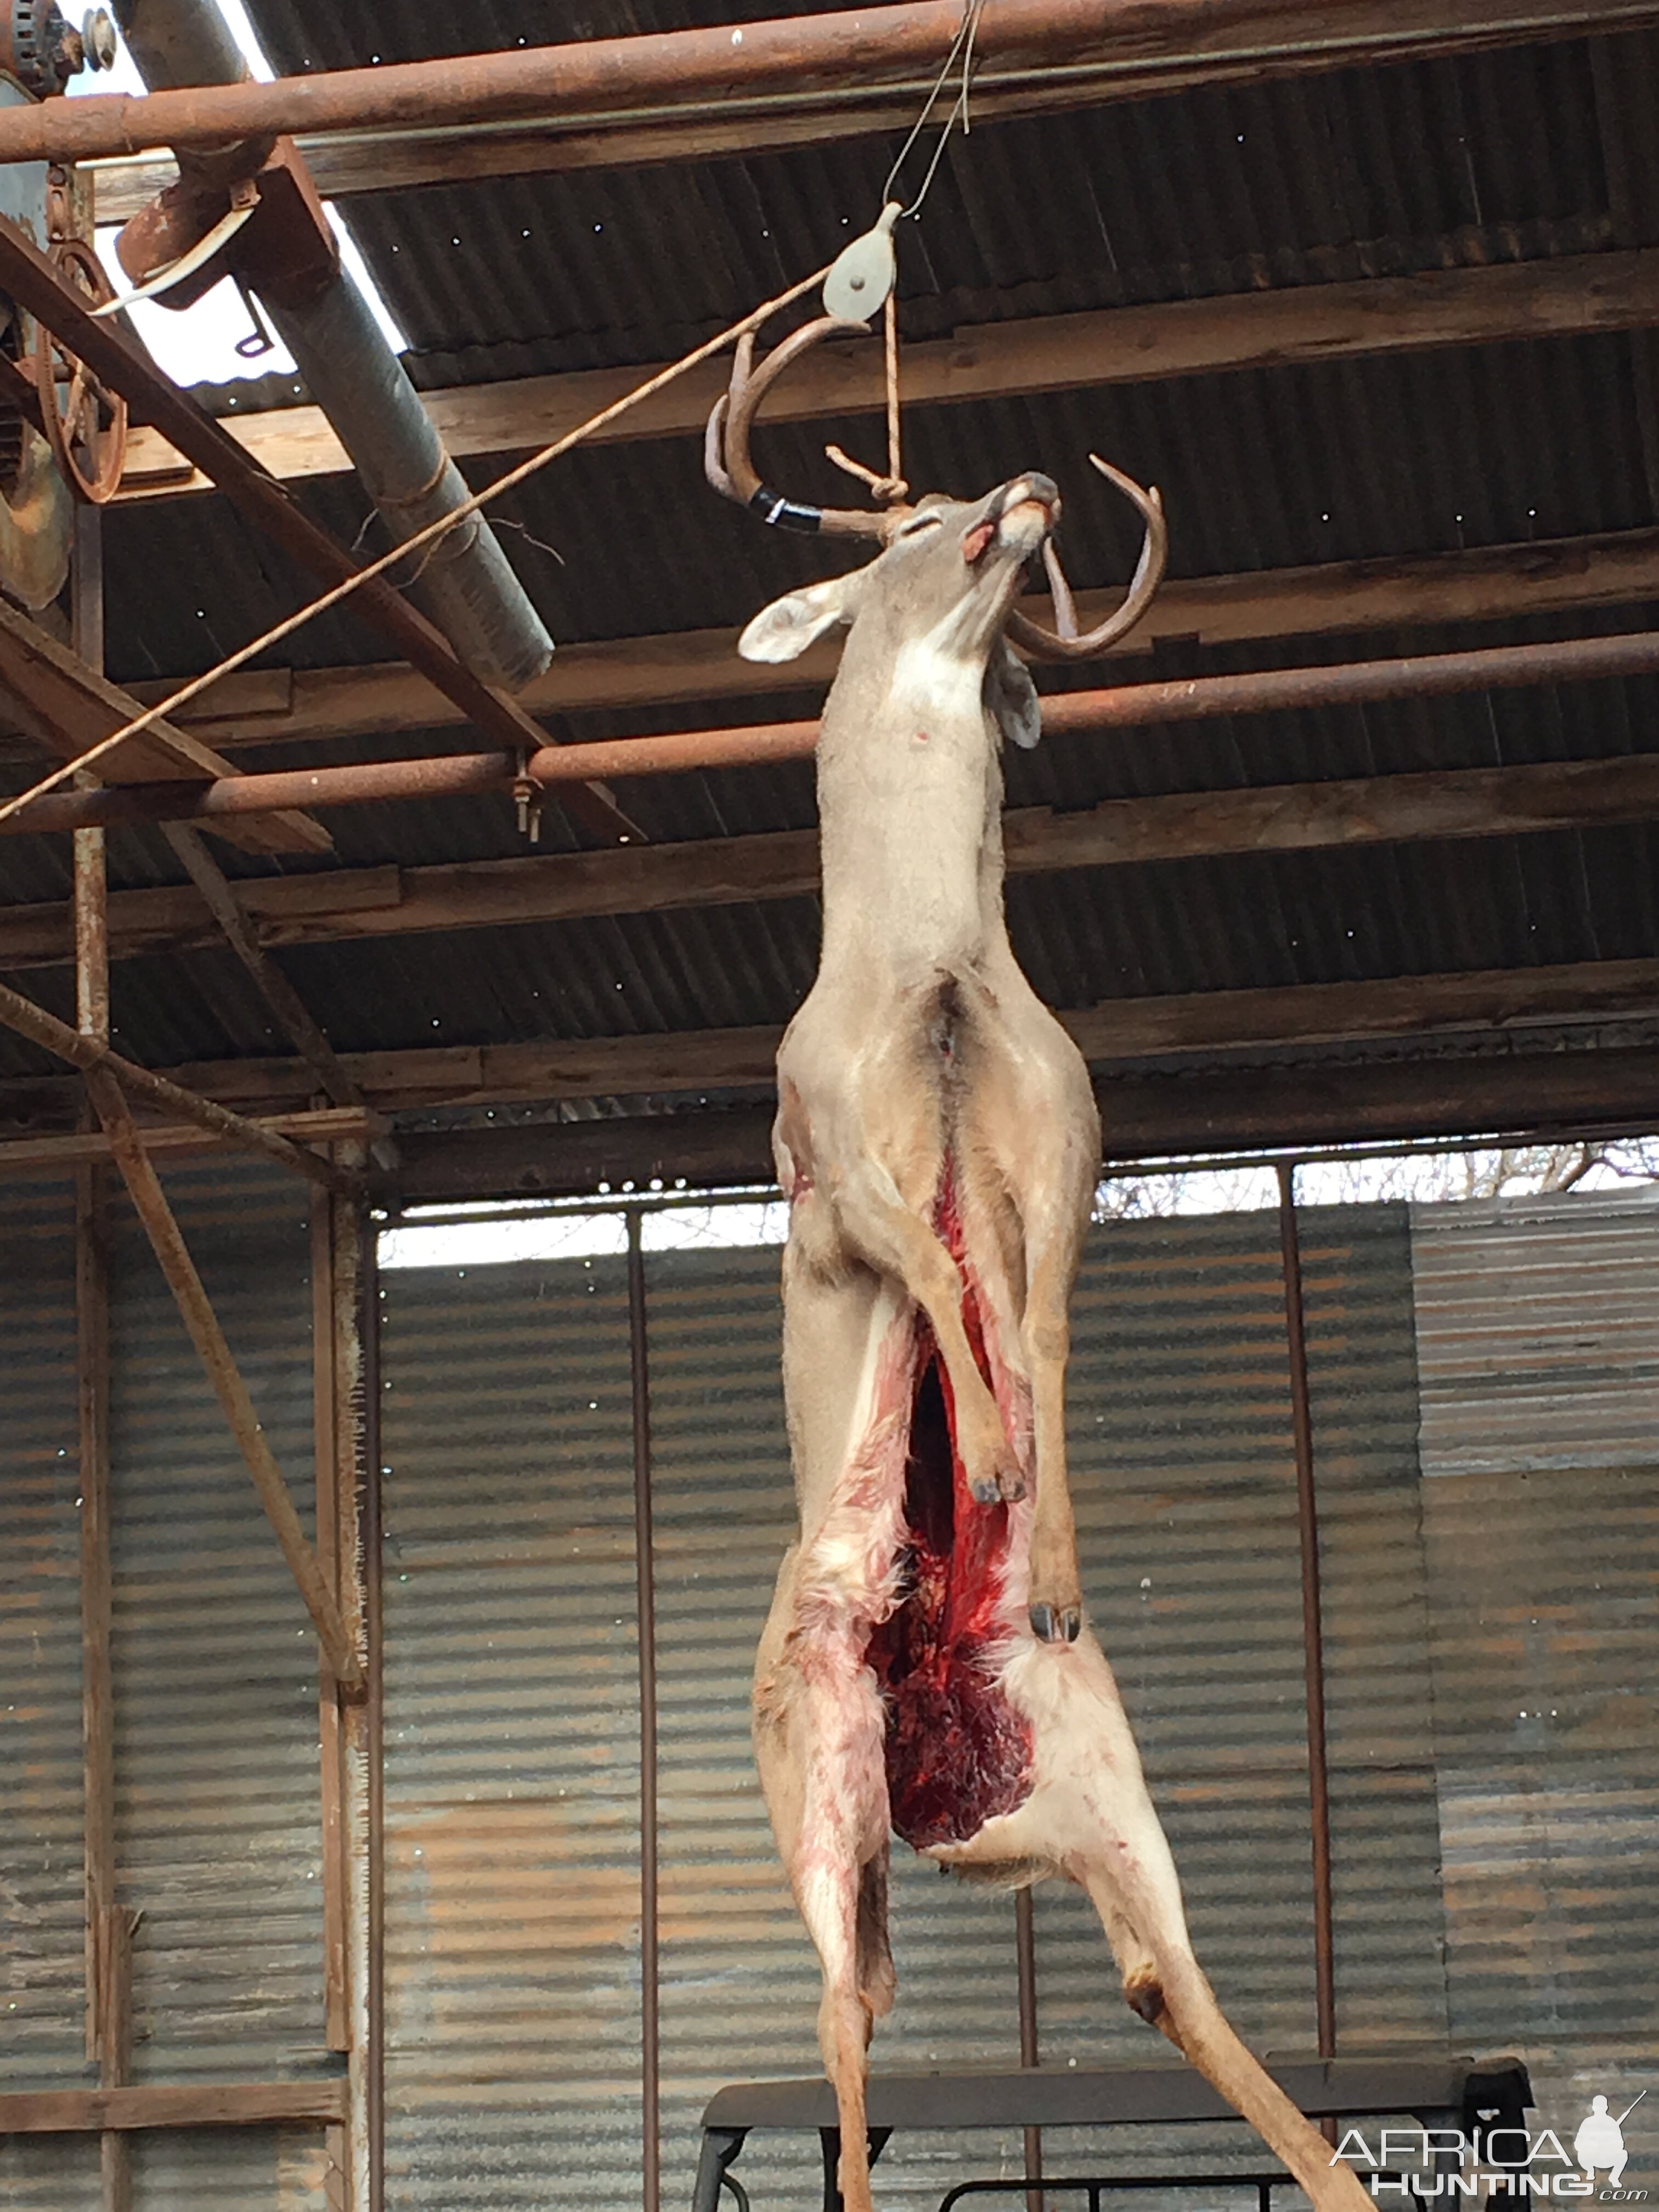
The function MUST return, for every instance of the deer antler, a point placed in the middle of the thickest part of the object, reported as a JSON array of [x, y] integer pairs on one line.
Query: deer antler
[[726, 443], [1062, 642]]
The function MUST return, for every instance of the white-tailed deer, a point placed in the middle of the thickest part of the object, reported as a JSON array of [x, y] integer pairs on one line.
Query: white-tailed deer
[[925, 1667]]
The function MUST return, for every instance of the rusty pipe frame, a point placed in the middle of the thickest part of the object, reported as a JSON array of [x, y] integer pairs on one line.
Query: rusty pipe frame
[[644, 1578], [1129, 705], [1102, 46], [1313, 1634]]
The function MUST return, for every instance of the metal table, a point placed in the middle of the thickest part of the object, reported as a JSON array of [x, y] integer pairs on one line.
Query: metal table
[[1436, 2092]]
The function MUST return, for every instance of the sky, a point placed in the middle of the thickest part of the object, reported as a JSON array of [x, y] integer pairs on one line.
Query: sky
[[198, 345]]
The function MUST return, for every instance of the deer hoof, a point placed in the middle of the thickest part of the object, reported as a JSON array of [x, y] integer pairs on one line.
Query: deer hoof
[[1053, 1624]]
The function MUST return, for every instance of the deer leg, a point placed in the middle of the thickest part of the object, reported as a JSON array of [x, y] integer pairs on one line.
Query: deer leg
[[874, 1220], [829, 1902], [1139, 1901], [1035, 1135]]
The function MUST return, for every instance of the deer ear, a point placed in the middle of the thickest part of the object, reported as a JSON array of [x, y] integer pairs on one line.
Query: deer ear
[[784, 629], [1011, 697]]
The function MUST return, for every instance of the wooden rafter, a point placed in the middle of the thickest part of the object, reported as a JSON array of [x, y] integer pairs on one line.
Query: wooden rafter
[[1304, 323]]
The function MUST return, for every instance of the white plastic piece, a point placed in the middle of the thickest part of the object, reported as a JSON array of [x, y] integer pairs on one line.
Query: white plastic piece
[[864, 272], [187, 264]]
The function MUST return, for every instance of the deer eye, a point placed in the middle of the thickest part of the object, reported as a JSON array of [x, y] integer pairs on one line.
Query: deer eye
[[918, 523]]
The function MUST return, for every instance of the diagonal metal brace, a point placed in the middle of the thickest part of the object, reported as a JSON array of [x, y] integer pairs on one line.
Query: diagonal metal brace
[[196, 1309]]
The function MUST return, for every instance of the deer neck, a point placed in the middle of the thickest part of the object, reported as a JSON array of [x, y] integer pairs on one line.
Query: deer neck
[[910, 808]]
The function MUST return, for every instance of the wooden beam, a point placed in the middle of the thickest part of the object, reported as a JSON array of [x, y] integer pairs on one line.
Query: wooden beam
[[1344, 597], [225, 905], [1117, 1033], [47, 1154], [167, 2104], [333, 1292], [1302, 323], [1607, 1091], [1433, 804], [66, 706], [95, 1059], [1149, 52], [201, 1324], [97, 1686]]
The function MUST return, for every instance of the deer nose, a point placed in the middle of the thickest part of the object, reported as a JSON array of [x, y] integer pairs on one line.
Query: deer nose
[[1043, 489]]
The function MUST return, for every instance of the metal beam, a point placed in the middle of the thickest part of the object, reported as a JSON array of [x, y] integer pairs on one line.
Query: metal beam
[[29, 278], [1030, 53], [1050, 353], [1133, 706], [713, 872], [93, 1058]]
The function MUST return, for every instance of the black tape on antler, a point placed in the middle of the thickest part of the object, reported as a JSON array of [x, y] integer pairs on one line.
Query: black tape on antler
[[785, 514]]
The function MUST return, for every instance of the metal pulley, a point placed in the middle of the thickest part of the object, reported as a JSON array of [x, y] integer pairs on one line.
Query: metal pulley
[[863, 273], [41, 52]]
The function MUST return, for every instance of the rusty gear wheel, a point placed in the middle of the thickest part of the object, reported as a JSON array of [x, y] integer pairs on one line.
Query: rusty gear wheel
[[86, 425]]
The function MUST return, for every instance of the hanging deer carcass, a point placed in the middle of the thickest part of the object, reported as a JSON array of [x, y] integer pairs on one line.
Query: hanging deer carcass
[[925, 1667]]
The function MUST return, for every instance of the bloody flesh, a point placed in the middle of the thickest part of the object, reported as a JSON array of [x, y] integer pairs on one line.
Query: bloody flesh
[[957, 1753]]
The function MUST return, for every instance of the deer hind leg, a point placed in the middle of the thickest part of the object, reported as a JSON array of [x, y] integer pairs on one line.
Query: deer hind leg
[[1134, 1890], [1034, 1135], [896, 1240]]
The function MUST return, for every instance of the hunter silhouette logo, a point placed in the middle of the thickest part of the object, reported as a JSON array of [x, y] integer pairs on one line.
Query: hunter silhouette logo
[[1599, 2141], [1489, 2163]]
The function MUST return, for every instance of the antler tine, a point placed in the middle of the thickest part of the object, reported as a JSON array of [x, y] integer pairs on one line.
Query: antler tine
[[726, 444], [1062, 645]]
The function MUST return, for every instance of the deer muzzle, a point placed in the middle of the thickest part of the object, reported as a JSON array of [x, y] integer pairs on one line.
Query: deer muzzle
[[1018, 516]]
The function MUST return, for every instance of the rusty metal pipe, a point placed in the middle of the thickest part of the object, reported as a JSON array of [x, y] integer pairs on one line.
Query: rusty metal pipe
[[645, 1576], [1123, 46], [1129, 705], [464, 584], [1025, 1964], [1313, 1635], [371, 1508]]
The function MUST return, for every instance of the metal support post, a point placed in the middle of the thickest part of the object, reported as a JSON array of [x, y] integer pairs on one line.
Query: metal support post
[[645, 1575], [1025, 1956], [1313, 1646]]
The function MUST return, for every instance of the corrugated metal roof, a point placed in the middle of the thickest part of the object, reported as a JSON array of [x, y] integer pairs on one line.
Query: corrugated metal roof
[[1499, 157]]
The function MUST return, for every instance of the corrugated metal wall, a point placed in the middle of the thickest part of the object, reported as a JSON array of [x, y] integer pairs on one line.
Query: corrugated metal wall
[[1538, 1328], [1489, 1624], [507, 1413], [217, 1829], [513, 1961]]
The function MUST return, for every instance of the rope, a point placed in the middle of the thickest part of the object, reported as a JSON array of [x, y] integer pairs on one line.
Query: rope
[[433, 531], [889, 333]]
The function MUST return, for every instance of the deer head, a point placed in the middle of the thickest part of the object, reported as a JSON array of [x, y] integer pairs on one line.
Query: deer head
[[948, 570]]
